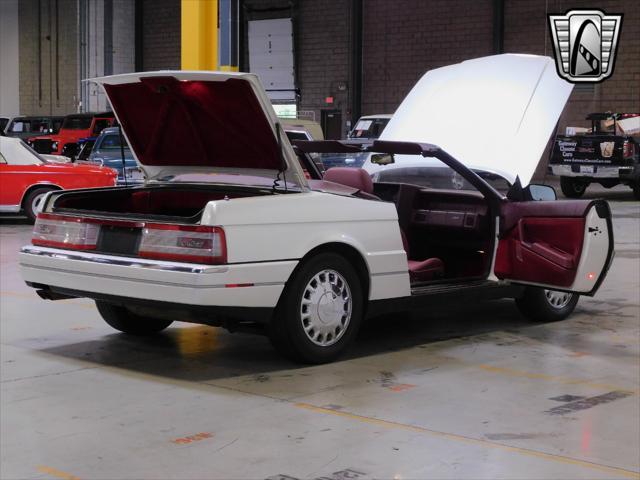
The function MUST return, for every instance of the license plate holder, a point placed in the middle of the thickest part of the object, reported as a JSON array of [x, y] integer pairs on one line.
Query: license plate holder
[[587, 169]]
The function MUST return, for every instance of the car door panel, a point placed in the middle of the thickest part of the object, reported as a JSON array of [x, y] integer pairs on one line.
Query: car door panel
[[561, 245]]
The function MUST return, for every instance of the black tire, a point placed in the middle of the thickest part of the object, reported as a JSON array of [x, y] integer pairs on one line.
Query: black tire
[[287, 331], [536, 305], [572, 187], [32, 200], [636, 189], [125, 321]]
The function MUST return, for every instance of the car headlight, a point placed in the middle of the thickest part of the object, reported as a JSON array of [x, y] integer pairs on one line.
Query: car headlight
[[54, 145]]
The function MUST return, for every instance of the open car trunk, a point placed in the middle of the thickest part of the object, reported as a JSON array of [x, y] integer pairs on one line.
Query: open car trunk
[[162, 202]]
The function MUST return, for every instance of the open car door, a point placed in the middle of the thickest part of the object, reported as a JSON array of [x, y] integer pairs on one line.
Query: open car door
[[560, 245]]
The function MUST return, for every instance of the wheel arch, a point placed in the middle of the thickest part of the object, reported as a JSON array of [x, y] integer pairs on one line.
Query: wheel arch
[[35, 186], [351, 253]]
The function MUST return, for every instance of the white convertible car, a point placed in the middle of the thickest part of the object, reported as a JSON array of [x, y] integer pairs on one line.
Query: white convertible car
[[227, 231]]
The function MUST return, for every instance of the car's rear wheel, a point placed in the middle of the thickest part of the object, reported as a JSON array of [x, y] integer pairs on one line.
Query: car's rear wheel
[[543, 305], [320, 311], [572, 187], [636, 189], [33, 200], [125, 321]]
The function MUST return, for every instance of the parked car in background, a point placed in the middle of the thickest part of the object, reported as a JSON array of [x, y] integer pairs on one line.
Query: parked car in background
[[300, 129], [74, 127], [230, 233], [608, 153], [369, 128], [26, 177], [28, 126], [107, 151], [4, 121]]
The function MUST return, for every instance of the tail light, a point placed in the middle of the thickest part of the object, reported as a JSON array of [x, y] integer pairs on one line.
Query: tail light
[[65, 232], [627, 149], [183, 243]]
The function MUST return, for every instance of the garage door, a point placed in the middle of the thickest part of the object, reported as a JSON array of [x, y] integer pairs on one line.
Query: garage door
[[271, 56]]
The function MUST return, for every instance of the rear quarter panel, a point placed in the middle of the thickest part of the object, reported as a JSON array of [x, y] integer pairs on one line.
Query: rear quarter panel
[[285, 227]]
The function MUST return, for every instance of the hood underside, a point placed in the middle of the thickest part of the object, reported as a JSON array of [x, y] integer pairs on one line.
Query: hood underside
[[177, 121], [495, 113]]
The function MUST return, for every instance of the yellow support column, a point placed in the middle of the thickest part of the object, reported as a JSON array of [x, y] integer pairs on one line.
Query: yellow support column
[[199, 47]]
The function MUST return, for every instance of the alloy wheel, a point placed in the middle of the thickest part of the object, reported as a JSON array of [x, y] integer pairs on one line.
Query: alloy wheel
[[325, 308], [558, 299]]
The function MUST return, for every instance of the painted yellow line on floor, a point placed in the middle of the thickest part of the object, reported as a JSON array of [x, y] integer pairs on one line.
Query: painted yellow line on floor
[[553, 378], [620, 472], [54, 472]]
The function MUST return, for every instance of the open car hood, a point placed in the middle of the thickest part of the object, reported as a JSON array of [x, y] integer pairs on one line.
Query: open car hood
[[495, 113], [190, 121]]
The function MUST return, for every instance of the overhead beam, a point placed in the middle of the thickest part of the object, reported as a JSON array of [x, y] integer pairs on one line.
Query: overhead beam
[[199, 35]]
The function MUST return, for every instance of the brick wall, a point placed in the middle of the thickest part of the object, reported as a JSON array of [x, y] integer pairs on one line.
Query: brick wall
[[405, 38], [123, 36], [526, 32], [41, 90], [161, 34], [321, 39]]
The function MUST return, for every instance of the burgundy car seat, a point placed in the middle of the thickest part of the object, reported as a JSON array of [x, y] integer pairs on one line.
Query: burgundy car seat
[[419, 270], [422, 270], [352, 177]]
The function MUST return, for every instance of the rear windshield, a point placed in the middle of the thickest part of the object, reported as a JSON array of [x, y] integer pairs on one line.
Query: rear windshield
[[35, 125], [76, 123], [369, 128]]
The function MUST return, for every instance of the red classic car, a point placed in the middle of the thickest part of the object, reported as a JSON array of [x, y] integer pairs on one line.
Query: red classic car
[[74, 127], [26, 177]]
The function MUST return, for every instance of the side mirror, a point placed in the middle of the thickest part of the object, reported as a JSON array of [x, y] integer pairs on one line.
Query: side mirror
[[382, 158], [541, 192]]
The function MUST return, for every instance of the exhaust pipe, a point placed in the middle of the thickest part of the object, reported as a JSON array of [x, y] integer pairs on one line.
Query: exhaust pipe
[[47, 294]]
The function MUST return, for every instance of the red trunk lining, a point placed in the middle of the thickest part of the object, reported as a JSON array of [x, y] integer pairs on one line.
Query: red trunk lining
[[195, 123]]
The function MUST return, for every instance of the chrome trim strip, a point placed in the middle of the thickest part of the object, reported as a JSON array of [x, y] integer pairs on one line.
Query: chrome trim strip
[[121, 261], [152, 282], [10, 208], [381, 274]]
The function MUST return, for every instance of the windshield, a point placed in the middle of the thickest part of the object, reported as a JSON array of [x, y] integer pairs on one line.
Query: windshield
[[32, 125], [437, 177], [369, 128], [76, 123], [111, 142]]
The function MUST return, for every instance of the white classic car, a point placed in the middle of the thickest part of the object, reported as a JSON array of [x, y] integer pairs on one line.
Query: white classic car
[[227, 231]]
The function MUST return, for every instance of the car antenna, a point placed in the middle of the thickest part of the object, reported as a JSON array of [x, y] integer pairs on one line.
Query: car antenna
[[283, 165], [124, 164]]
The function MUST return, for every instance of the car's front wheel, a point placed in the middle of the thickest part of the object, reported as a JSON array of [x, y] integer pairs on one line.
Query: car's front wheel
[[127, 322], [320, 311], [572, 187], [33, 200], [543, 305]]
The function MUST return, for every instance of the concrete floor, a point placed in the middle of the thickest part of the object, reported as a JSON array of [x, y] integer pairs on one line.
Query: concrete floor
[[463, 392]]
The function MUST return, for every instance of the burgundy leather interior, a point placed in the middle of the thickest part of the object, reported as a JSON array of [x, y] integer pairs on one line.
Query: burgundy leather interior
[[512, 212], [542, 250], [422, 270], [196, 123], [353, 177]]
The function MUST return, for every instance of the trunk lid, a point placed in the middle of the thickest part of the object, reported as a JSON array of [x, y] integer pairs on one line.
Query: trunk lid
[[495, 113], [201, 122]]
